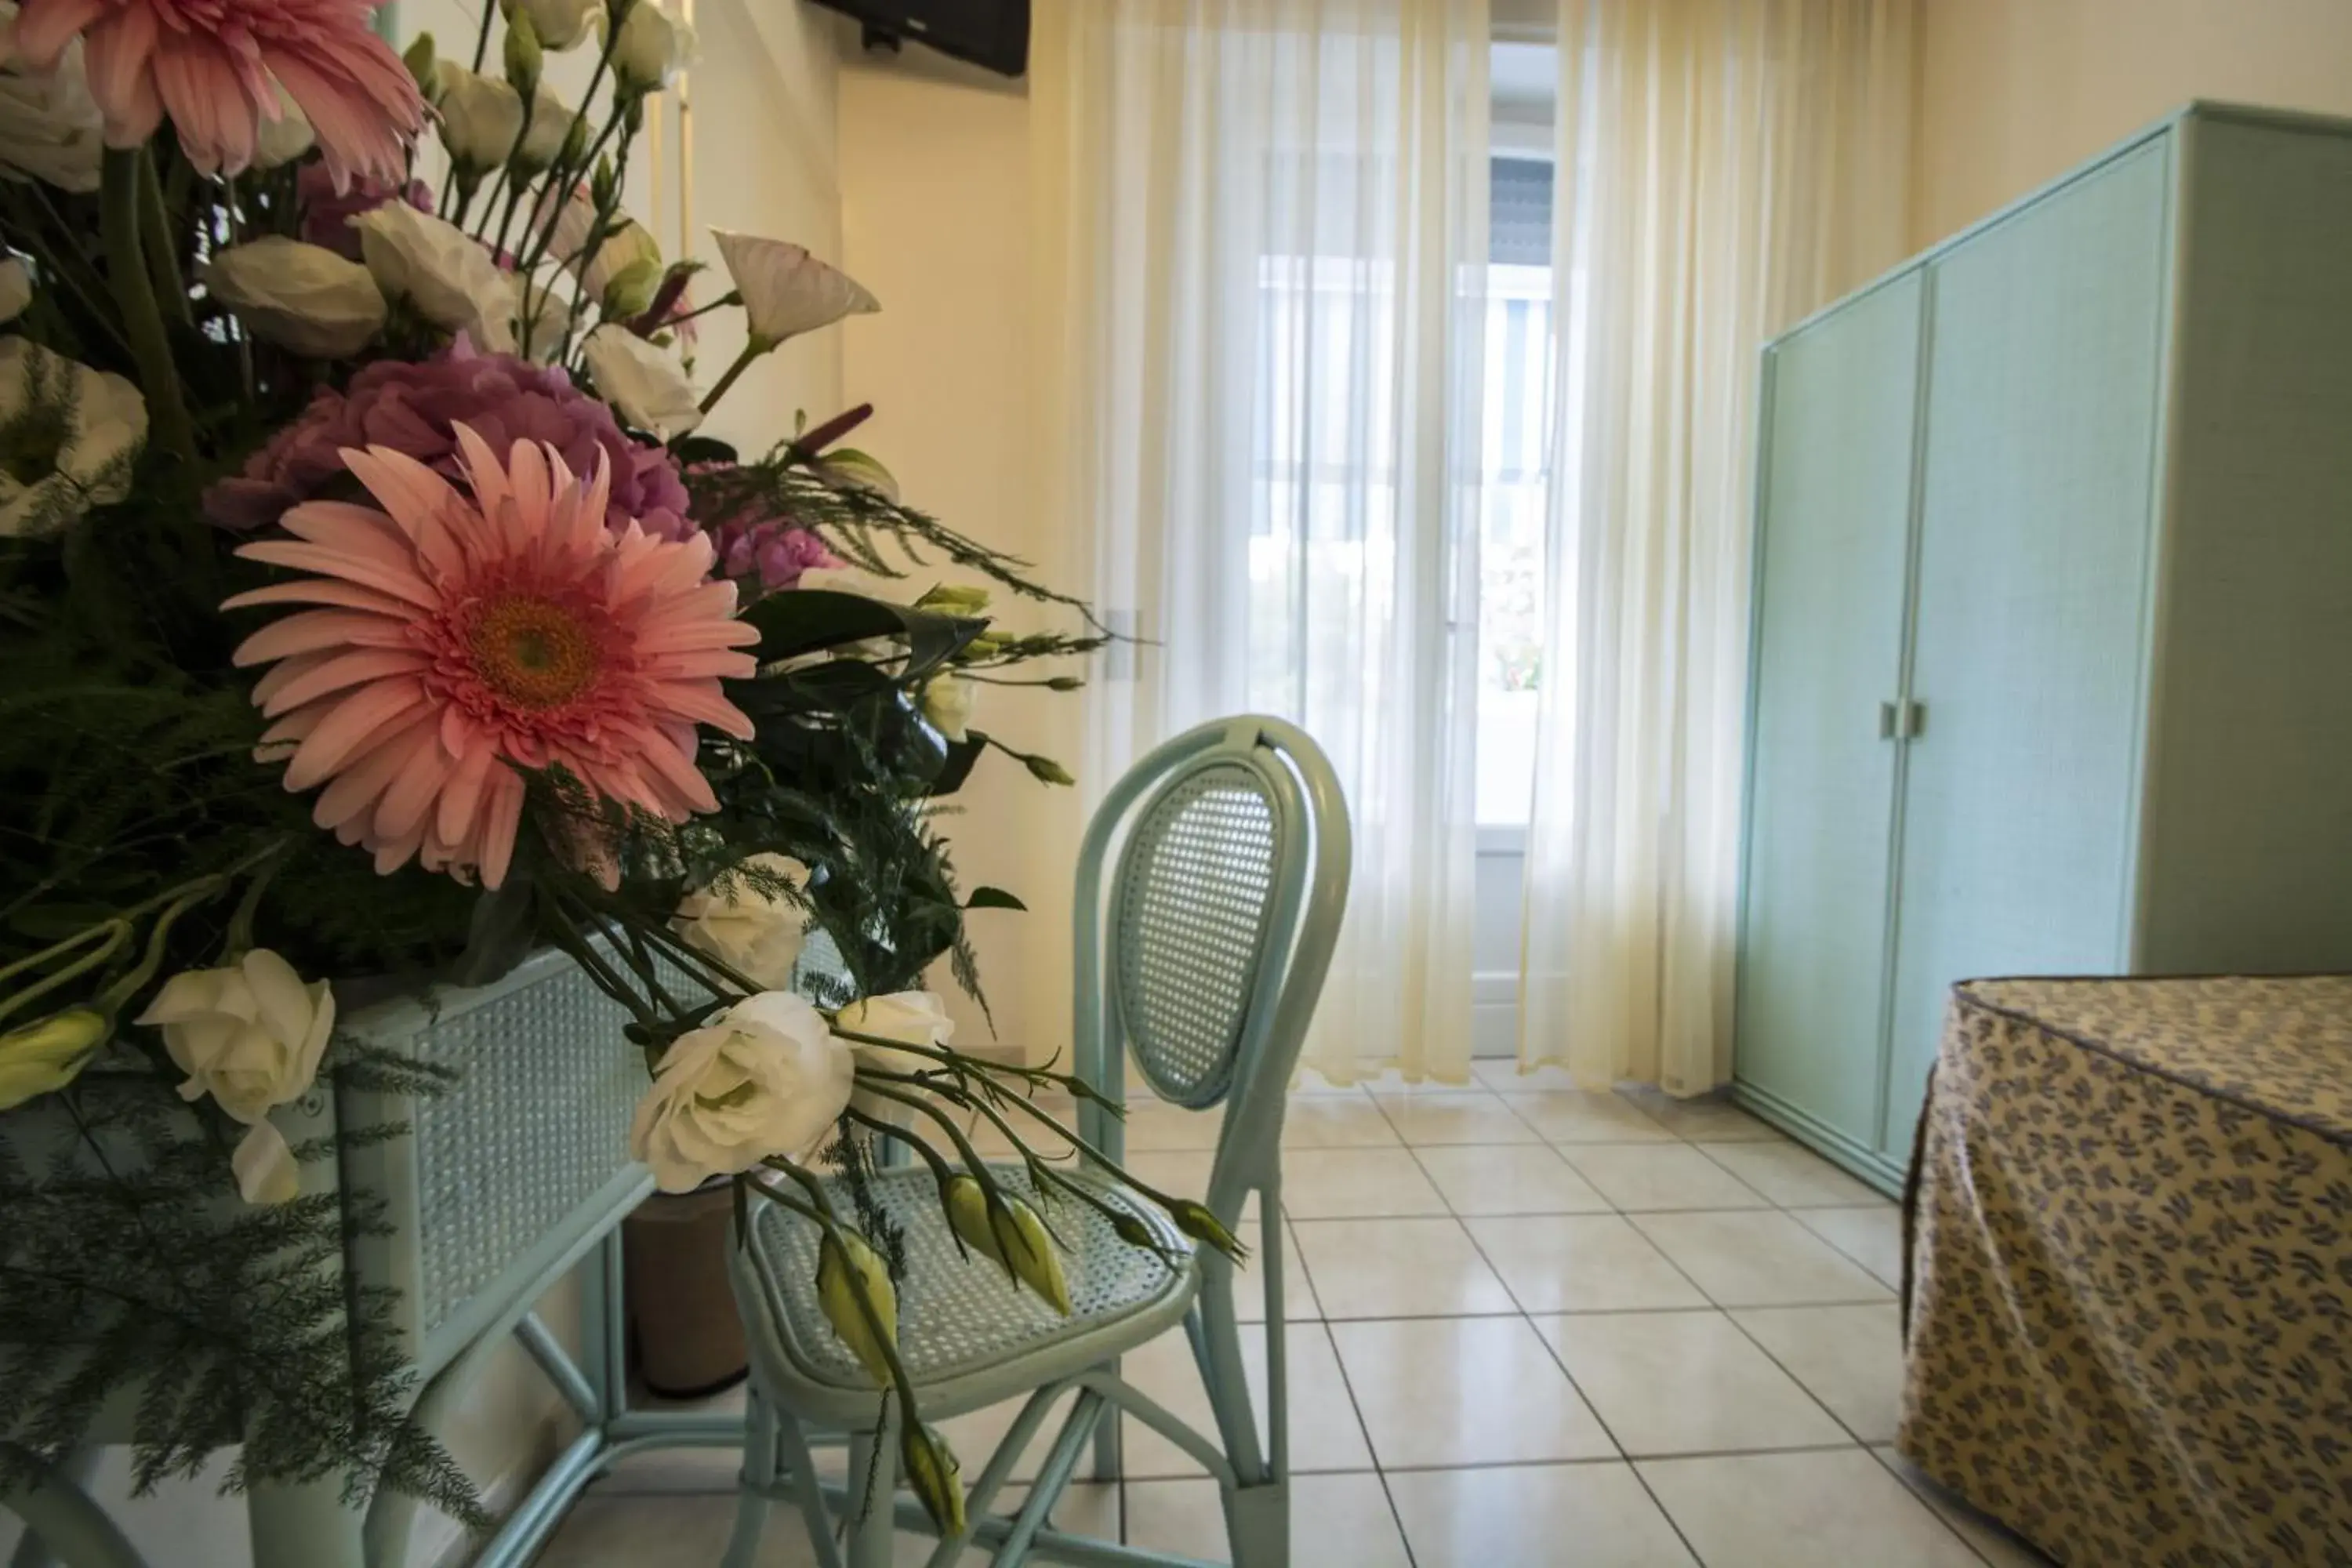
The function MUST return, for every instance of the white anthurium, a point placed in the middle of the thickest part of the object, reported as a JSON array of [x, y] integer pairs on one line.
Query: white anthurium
[[480, 117], [565, 24], [281, 141], [543, 137], [642, 380], [765, 1077], [757, 931], [948, 702], [440, 270], [69, 436], [301, 296], [653, 46], [785, 291], [50, 129], [250, 1035], [915, 1017], [16, 287]]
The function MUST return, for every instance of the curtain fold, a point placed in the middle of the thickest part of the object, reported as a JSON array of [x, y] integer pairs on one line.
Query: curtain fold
[[1264, 232], [1725, 166]]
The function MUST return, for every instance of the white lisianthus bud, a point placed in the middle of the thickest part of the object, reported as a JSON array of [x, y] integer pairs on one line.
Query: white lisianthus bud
[[842, 1267], [653, 47], [948, 702], [847, 468], [43, 1058], [754, 930], [444, 273], [954, 599], [300, 297], [629, 247], [480, 117], [916, 1017], [251, 1036], [563, 24], [785, 291], [16, 287], [543, 138], [50, 128], [77, 435], [281, 141], [642, 381], [764, 1077]]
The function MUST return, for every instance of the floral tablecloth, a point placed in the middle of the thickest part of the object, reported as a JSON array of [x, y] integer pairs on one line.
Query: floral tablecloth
[[2129, 1315]]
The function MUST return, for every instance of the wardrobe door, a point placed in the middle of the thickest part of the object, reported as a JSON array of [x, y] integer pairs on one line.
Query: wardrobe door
[[1835, 498], [2045, 337]]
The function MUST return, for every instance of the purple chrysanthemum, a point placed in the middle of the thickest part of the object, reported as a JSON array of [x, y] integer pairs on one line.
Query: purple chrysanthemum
[[412, 408]]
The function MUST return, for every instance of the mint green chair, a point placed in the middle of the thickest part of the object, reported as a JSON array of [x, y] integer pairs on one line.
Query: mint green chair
[[1202, 954]]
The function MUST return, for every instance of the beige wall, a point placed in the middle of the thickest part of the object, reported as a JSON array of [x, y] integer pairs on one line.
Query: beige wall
[[2013, 92], [937, 221]]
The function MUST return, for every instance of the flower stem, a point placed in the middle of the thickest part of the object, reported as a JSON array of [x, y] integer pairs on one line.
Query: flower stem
[[134, 295], [751, 351], [155, 240]]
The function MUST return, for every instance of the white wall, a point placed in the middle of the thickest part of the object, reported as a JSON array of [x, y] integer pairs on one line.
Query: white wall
[[2014, 93], [937, 220]]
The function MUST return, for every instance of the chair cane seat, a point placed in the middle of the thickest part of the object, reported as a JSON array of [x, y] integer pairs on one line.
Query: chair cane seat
[[967, 1335]]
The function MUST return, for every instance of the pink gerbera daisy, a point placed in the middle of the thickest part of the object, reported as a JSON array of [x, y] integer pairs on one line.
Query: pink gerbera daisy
[[453, 640], [209, 64]]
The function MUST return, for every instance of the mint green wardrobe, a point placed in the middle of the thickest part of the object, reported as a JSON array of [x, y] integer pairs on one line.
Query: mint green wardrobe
[[2053, 659]]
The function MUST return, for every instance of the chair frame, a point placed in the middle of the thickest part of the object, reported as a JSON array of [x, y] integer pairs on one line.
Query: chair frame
[[1308, 893]]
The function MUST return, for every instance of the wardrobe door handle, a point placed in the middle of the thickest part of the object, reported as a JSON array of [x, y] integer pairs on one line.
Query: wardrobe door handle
[[1886, 721], [1913, 722]]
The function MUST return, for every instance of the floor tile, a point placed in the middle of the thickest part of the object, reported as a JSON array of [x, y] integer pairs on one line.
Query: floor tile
[[1513, 1515], [1685, 1383], [1703, 1120], [1427, 1120], [1790, 1176], [1992, 1540], [1503, 1075], [1574, 1117], [1298, 1301], [1398, 1269], [1356, 1184], [1850, 1357], [1324, 1432], [1872, 1237], [1639, 1176], [1335, 1522], [1580, 1263], [1516, 1178], [1158, 1126], [1802, 1510], [975, 1435], [605, 1529], [1750, 1258], [1465, 1391], [1332, 1122], [1310, 1081]]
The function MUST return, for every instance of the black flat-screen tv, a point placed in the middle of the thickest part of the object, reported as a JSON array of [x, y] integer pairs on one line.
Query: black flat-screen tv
[[990, 33]]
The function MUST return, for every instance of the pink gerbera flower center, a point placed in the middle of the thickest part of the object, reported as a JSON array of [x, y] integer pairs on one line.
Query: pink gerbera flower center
[[532, 652]]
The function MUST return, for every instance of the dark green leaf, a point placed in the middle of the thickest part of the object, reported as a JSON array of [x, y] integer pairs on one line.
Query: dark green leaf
[[993, 898]]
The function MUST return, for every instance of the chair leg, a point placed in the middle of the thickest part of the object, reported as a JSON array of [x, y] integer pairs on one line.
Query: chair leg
[[873, 1509], [1108, 1459], [1257, 1525], [751, 1491]]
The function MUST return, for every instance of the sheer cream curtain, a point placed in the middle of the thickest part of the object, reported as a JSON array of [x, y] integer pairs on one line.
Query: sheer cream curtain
[[1264, 230], [1725, 166]]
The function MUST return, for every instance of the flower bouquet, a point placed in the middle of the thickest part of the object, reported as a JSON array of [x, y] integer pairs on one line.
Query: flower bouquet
[[374, 613]]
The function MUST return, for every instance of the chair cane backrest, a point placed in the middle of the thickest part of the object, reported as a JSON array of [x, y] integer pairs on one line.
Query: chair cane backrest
[[1204, 950]]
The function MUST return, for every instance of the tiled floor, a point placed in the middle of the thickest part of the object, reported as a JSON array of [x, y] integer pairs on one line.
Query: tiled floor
[[1528, 1326]]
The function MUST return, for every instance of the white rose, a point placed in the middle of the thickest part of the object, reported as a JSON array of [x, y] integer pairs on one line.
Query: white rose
[[443, 272], [251, 1036], [563, 24], [50, 128], [653, 47], [948, 702], [74, 436], [764, 1077], [642, 381], [480, 117], [16, 287], [918, 1018], [753, 930], [542, 139], [786, 291], [281, 141], [301, 296]]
